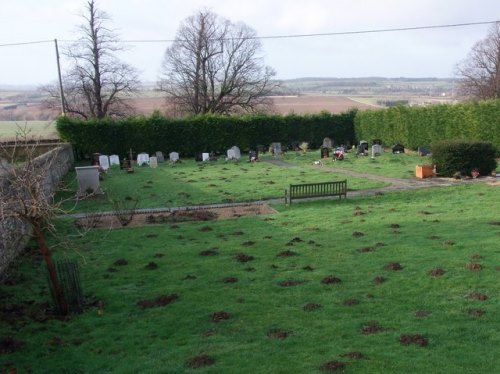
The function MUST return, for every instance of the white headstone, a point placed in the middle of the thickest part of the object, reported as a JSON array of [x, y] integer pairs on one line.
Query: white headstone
[[142, 158], [327, 143], [104, 162], [153, 162], [376, 150], [173, 156], [276, 148], [160, 157], [88, 180], [231, 155], [205, 156], [237, 152], [114, 160]]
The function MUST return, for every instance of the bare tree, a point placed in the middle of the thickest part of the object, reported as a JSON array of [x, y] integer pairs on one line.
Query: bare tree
[[98, 83], [214, 66], [26, 199], [480, 71]]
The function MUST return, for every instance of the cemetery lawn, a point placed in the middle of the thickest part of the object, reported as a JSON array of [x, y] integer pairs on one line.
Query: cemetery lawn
[[192, 183], [320, 284], [387, 164]]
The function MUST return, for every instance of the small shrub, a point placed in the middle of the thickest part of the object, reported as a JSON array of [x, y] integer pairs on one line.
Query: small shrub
[[453, 157]]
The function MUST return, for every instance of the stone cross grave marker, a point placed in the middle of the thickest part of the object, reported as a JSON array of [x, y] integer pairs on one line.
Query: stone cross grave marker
[[104, 162]]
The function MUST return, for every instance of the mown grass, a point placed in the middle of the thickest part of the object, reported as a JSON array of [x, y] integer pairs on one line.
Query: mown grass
[[387, 164], [422, 230], [192, 183], [37, 129]]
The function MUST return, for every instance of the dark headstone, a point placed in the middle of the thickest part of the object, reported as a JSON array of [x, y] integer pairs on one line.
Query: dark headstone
[[199, 157], [398, 148], [253, 156], [325, 152], [424, 150], [295, 145]]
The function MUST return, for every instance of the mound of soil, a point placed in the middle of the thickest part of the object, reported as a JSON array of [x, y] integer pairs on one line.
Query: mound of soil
[[308, 268], [366, 249], [111, 270], [189, 277], [379, 280], [286, 254], [477, 296], [332, 366], [157, 302], [159, 255], [449, 242], [296, 240], [120, 262], [239, 232], [420, 340], [241, 257], [309, 307], [437, 272], [357, 234], [230, 280], [248, 243], [354, 355], [278, 334], [290, 283], [395, 226], [476, 312], [205, 229], [200, 361], [473, 266], [151, 266], [393, 266], [331, 279], [434, 237], [422, 313], [350, 302], [249, 269], [220, 316], [372, 327], [9, 344], [209, 252], [476, 256]]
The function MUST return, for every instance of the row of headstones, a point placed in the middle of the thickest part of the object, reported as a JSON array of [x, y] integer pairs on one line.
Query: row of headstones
[[105, 161]]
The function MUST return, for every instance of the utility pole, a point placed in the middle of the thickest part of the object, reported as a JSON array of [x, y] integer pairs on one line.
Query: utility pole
[[63, 108]]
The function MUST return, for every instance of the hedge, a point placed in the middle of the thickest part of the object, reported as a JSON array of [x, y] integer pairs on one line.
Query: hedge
[[207, 133], [417, 126]]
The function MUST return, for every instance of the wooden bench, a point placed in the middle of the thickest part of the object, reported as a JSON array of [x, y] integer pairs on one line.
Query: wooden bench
[[302, 191]]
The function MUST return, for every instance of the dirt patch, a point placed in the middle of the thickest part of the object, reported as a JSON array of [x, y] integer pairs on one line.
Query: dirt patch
[[220, 316], [372, 327], [422, 313], [142, 219], [473, 267], [290, 283], [159, 255], [332, 366], [248, 243], [230, 280], [476, 256], [151, 266], [200, 361], [357, 234], [350, 302], [209, 252], [309, 307], [393, 266], [379, 280], [476, 312], [477, 296], [395, 226], [286, 254], [249, 269], [205, 229], [354, 355], [437, 272], [419, 340], [157, 302], [10, 345], [120, 262], [241, 257], [308, 268], [278, 334], [449, 242], [331, 279], [366, 249]]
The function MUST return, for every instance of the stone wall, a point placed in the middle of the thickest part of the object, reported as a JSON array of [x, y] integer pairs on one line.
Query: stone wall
[[15, 234]]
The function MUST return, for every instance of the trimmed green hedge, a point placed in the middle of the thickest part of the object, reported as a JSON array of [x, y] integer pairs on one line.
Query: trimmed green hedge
[[207, 133], [417, 126], [452, 156]]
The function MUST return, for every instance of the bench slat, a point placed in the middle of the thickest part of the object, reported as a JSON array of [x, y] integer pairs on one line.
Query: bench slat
[[297, 191]]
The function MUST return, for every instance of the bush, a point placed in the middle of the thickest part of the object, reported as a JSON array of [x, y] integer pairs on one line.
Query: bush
[[452, 156]]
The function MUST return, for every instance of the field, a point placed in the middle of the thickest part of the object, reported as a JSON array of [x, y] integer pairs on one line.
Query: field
[[387, 283]]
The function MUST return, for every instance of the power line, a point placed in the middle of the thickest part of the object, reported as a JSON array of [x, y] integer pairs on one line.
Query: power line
[[288, 36]]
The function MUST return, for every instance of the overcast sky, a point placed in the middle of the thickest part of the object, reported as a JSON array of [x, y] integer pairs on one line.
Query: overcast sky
[[418, 53]]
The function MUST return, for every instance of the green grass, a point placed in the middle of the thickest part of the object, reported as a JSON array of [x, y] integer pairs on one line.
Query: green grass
[[127, 339], [387, 164], [42, 129], [192, 183]]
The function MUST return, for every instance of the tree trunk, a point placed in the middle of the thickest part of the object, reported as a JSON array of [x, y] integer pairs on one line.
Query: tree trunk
[[54, 279]]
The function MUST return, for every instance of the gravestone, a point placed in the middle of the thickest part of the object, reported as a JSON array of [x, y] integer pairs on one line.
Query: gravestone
[[198, 157], [114, 160], [159, 156], [424, 150], [94, 160], [276, 149], [88, 180], [231, 155], [325, 152], [104, 162], [361, 150], [295, 145], [205, 157], [398, 148], [253, 156], [237, 152], [376, 150], [173, 156], [153, 162], [327, 143], [364, 144], [142, 158]]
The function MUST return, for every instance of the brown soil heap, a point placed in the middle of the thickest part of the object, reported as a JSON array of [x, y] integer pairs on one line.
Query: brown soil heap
[[414, 339], [241, 257], [200, 361], [379, 280], [473, 267], [332, 366], [311, 306], [437, 272], [220, 315], [278, 334], [331, 279], [393, 266], [372, 327], [159, 301], [477, 296], [290, 283]]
